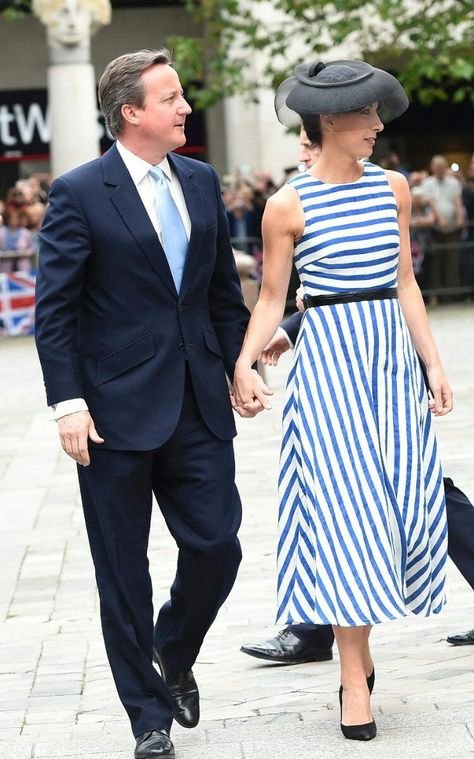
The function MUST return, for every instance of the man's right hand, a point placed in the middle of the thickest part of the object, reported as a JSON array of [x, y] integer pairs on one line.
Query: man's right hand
[[75, 431], [278, 344]]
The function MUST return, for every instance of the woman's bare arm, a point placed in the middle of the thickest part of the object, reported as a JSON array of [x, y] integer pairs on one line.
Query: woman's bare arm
[[283, 222], [412, 305]]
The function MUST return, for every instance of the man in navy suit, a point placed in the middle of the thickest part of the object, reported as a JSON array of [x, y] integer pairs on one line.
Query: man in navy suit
[[139, 318]]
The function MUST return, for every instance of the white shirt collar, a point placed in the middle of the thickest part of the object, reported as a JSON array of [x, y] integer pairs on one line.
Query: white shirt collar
[[137, 167]]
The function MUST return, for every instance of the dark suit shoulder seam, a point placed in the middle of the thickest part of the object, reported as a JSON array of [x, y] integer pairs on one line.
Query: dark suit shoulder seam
[[78, 200]]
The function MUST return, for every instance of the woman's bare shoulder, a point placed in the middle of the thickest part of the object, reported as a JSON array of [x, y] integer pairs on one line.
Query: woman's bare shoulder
[[283, 209]]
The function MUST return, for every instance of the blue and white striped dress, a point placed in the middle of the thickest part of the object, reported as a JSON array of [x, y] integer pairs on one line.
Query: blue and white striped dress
[[362, 519]]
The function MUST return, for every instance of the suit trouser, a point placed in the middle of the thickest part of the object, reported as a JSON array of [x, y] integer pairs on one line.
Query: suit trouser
[[460, 512], [192, 477]]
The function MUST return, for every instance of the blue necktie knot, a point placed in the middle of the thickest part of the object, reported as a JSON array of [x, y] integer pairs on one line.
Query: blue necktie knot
[[175, 240], [158, 174]]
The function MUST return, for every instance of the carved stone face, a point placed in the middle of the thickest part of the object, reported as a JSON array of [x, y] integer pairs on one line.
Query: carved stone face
[[71, 22]]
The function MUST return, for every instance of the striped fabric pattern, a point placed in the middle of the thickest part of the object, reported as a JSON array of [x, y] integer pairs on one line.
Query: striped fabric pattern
[[362, 523]]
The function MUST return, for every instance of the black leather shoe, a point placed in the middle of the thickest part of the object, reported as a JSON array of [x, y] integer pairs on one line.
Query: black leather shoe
[[184, 692], [156, 743], [286, 648], [365, 732], [462, 639]]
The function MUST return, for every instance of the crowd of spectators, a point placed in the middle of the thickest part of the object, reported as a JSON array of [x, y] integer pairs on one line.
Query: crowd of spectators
[[21, 214], [441, 225]]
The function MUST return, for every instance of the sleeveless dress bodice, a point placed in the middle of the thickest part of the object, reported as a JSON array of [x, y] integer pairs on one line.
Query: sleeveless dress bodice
[[351, 239]]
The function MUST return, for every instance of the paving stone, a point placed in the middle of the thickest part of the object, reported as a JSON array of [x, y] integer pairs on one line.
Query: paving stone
[[14, 749]]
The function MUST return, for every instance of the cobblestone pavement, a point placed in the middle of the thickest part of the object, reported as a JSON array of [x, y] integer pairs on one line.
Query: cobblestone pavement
[[57, 698]]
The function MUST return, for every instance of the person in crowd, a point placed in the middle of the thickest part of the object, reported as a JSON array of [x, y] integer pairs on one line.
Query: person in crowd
[[392, 162], [16, 241], [445, 192], [244, 207], [467, 257], [416, 178], [15, 198], [34, 214], [422, 219], [139, 316], [351, 492], [242, 219], [39, 189]]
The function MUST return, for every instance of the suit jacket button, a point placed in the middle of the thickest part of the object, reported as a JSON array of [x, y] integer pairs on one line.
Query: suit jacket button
[[181, 346]]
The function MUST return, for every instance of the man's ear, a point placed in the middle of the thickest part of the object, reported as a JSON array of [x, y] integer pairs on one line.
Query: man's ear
[[129, 114]]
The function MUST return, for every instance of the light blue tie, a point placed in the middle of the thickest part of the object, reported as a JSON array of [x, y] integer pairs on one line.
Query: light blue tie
[[175, 241]]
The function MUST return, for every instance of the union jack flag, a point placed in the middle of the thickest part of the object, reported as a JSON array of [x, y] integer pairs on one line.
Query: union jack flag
[[17, 303]]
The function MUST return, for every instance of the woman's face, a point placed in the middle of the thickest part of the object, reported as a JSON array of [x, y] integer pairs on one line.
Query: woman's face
[[356, 132], [13, 219]]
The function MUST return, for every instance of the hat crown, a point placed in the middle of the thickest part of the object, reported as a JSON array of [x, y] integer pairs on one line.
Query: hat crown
[[338, 74], [334, 74]]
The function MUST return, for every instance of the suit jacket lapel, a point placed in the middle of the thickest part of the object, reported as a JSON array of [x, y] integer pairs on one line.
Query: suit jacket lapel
[[128, 203]]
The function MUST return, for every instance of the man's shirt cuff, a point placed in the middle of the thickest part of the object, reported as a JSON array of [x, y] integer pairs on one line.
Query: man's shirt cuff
[[68, 407], [285, 335]]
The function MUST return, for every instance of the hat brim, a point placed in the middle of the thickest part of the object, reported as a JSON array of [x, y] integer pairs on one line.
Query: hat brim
[[295, 99]]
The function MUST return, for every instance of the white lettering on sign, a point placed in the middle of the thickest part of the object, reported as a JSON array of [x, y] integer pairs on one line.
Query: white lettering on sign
[[34, 118], [29, 124], [6, 119]]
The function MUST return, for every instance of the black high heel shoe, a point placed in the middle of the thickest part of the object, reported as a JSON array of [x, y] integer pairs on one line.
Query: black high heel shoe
[[365, 732]]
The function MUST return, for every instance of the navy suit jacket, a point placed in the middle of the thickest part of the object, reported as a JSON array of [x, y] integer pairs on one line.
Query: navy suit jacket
[[110, 326], [292, 325]]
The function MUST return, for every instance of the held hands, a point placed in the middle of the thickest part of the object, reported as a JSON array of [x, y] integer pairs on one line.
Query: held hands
[[442, 402], [249, 394], [74, 431]]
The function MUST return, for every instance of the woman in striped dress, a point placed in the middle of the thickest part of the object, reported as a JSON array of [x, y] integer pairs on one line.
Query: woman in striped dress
[[362, 515]]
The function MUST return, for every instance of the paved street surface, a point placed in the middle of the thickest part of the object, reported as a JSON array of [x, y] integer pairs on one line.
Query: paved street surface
[[57, 698]]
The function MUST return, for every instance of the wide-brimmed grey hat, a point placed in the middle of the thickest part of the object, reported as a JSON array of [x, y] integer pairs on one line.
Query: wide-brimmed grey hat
[[338, 87]]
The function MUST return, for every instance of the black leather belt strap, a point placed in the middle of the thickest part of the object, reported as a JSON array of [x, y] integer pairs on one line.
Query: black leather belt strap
[[310, 301]]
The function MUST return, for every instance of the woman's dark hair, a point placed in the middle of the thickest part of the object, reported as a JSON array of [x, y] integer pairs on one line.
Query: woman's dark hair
[[312, 126]]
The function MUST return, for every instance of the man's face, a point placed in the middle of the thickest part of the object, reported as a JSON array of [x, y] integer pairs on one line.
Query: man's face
[[439, 167], [308, 151], [161, 121]]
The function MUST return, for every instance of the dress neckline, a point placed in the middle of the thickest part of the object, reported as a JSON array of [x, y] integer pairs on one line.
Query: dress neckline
[[337, 184]]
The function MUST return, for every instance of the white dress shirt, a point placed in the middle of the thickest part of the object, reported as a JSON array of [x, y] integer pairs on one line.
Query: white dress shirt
[[145, 184]]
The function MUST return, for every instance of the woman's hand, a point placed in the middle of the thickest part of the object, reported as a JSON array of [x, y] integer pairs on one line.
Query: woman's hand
[[442, 402], [250, 391]]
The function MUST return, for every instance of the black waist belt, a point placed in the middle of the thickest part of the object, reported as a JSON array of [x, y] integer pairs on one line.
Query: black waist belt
[[352, 297]]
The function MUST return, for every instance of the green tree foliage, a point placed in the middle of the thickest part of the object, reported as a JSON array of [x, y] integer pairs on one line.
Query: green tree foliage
[[428, 43], [12, 9]]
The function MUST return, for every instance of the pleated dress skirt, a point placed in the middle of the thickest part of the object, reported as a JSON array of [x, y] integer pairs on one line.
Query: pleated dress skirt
[[362, 522]]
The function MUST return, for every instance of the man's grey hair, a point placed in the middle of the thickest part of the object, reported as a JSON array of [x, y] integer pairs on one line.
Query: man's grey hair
[[121, 84]]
